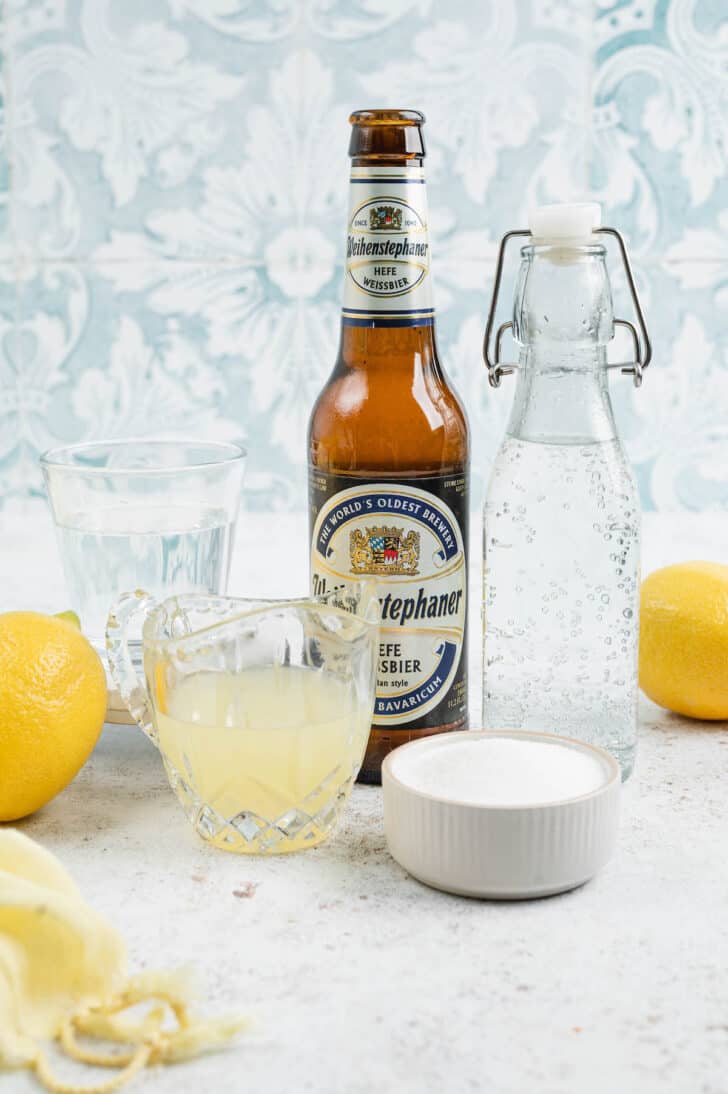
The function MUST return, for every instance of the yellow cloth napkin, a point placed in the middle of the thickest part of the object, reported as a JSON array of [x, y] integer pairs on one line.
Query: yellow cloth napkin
[[63, 971]]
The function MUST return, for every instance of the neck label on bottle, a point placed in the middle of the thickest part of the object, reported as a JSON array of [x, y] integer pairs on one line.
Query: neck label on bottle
[[388, 249], [410, 536]]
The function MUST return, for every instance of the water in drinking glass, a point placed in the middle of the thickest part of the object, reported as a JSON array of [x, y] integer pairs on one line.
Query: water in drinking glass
[[155, 514], [178, 549]]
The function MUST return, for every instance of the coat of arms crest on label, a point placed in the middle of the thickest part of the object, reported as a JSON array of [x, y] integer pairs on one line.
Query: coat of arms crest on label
[[385, 218], [384, 550]]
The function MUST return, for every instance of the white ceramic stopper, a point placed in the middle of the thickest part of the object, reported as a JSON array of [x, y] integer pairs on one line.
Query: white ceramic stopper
[[567, 223]]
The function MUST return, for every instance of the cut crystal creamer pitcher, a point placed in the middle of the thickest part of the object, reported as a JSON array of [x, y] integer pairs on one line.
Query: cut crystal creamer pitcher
[[260, 709], [562, 513]]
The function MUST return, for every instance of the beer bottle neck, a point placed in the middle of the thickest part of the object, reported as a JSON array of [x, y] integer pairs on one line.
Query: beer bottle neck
[[387, 282]]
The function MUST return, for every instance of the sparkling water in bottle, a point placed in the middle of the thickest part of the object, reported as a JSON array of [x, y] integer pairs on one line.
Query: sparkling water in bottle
[[562, 513]]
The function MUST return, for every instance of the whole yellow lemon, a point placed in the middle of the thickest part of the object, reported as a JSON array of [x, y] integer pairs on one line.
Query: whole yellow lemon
[[684, 639], [52, 706]]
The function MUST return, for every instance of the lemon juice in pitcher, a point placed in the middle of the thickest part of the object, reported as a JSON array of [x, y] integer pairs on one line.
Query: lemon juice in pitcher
[[267, 736], [562, 513], [260, 708]]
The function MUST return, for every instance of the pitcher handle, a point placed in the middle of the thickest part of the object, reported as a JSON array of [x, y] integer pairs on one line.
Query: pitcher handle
[[130, 686]]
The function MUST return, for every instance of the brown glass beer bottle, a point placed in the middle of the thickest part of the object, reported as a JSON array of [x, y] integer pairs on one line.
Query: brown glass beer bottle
[[389, 447]]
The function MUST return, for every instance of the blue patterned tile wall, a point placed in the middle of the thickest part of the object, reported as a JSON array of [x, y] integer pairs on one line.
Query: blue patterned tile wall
[[173, 183]]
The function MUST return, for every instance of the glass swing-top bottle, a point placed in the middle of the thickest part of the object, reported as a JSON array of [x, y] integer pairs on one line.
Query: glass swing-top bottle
[[562, 513]]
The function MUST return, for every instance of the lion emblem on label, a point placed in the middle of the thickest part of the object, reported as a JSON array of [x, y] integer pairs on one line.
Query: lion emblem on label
[[384, 551], [385, 218]]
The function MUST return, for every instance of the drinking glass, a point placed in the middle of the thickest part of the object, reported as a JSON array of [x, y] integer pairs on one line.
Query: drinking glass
[[260, 708], [149, 514]]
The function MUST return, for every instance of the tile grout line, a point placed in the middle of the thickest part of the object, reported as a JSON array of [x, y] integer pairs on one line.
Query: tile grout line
[[6, 45], [9, 83], [8, 53], [234, 263], [302, 41], [588, 105]]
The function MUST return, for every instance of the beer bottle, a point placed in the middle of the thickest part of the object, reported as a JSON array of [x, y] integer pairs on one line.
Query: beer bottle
[[389, 447]]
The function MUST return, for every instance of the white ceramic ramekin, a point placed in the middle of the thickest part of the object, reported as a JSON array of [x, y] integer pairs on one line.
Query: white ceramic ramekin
[[502, 852]]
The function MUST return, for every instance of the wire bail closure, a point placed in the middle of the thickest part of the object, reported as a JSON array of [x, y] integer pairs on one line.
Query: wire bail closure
[[640, 342]]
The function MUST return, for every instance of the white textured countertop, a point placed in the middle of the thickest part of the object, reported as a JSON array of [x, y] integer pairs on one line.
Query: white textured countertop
[[359, 978]]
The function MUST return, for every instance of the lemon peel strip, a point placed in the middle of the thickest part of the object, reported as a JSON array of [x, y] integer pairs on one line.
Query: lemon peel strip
[[153, 1044], [63, 973], [55, 1086]]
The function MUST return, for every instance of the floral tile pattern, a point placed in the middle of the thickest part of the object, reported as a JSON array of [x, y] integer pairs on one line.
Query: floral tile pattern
[[660, 145], [173, 186]]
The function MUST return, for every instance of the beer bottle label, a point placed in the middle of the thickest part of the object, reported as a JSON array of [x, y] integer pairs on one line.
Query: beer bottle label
[[388, 249], [410, 535]]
